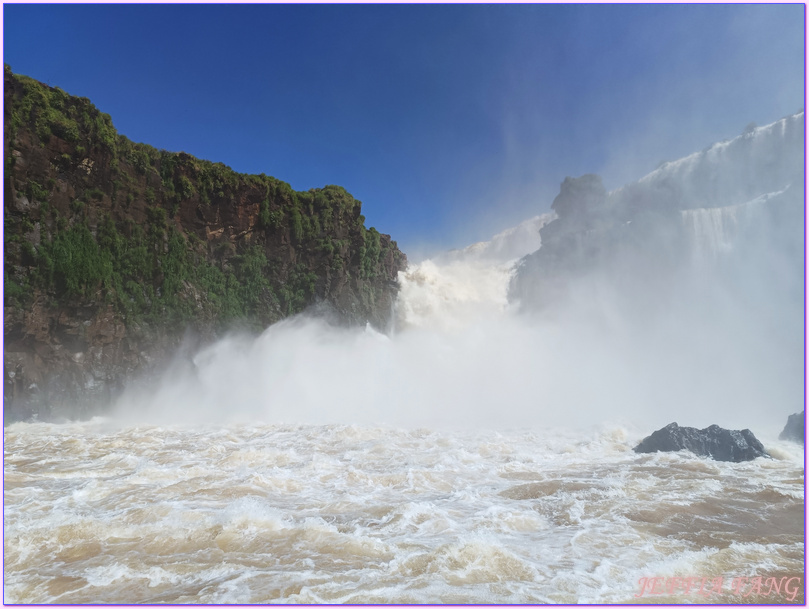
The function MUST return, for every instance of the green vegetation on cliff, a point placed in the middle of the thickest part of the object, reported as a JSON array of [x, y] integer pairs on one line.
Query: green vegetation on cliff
[[166, 238]]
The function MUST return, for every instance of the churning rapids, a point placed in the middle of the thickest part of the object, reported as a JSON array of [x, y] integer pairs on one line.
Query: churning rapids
[[454, 461], [347, 514]]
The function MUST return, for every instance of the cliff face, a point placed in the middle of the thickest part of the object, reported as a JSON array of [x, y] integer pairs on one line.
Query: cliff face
[[733, 212], [116, 251]]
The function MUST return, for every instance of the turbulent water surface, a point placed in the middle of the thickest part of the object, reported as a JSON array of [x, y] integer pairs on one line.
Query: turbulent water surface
[[96, 512]]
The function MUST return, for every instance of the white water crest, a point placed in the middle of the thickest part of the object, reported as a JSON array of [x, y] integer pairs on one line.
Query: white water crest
[[508, 245], [468, 286], [451, 296], [760, 161]]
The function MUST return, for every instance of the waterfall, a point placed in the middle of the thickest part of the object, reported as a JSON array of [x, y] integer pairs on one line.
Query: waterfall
[[452, 295], [714, 231], [727, 173]]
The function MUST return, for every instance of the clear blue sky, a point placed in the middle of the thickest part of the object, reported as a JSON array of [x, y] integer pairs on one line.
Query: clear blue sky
[[449, 122]]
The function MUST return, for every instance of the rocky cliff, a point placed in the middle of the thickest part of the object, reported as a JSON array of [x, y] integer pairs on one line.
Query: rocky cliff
[[116, 252]]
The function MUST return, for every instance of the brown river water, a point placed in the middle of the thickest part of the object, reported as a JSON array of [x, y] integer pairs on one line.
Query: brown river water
[[100, 512]]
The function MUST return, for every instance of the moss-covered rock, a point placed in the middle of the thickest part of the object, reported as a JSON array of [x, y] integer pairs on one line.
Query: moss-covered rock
[[115, 250]]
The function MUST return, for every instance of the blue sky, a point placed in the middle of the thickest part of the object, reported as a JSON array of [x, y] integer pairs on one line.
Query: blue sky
[[449, 122]]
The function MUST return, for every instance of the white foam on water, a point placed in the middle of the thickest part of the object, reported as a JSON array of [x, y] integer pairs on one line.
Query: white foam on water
[[377, 515]]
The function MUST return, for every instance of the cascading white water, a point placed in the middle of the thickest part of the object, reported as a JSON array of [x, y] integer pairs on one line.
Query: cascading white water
[[714, 230], [510, 244], [467, 286], [763, 160], [452, 296]]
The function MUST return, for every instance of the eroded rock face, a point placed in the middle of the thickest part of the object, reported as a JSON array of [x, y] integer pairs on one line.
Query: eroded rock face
[[794, 430], [70, 362], [715, 442]]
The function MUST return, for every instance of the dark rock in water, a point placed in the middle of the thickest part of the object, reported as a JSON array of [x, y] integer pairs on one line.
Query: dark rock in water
[[794, 429], [714, 441]]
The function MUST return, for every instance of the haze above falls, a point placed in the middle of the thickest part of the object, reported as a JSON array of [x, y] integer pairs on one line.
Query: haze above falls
[[714, 335]]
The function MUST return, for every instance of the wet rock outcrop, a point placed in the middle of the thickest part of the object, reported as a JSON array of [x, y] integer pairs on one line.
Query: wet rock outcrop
[[715, 442], [117, 253], [794, 430]]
